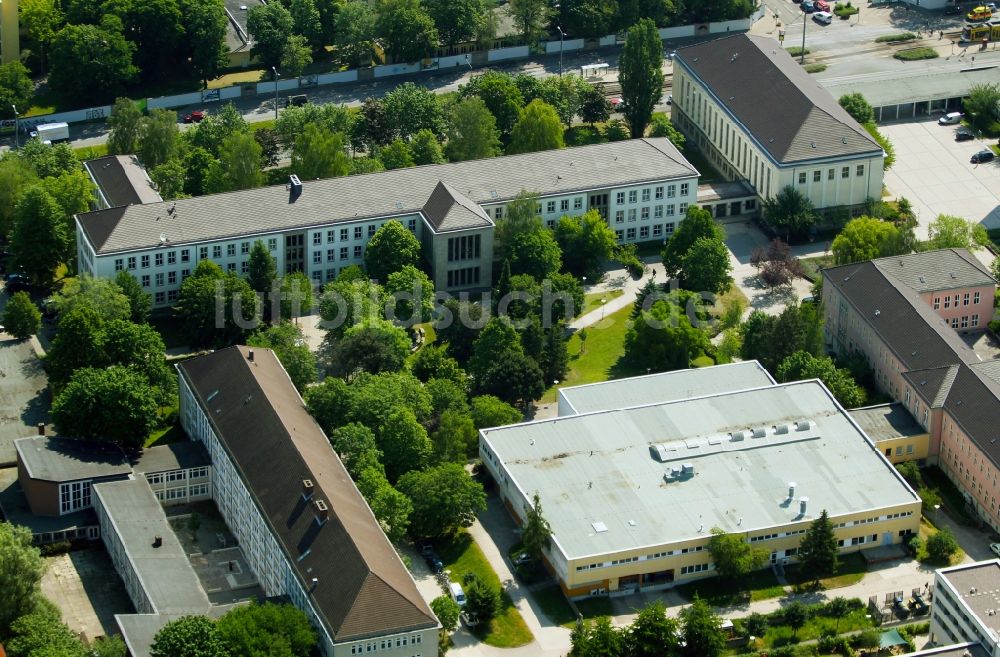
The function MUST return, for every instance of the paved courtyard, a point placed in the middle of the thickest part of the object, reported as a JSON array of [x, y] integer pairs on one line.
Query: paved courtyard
[[24, 397], [88, 591], [933, 172]]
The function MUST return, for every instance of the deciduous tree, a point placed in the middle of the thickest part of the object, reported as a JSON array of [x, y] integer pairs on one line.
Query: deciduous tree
[[140, 302], [270, 26], [266, 630], [21, 318], [396, 155], [412, 108], [39, 239], [703, 636], [20, 573], [188, 636], [356, 446], [262, 268], [594, 107], [286, 340], [790, 212], [472, 132], [157, 137], [116, 404], [536, 532], [866, 238], [857, 106], [733, 556], [663, 339], [372, 346], [652, 633], [16, 87], [41, 633], [501, 96], [238, 166], [426, 148], [216, 308], [800, 366], [205, 24], [535, 253], [391, 508], [538, 129], [697, 224], [405, 30], [91, 63], [641, 74], [661, 126], [319, 153], [447, 611], [413, 295], [513, 377], [530, 17], [354, 33], [391, 248], [296, 55], [445, 498], [950, 232], [983, 105], [706, 266], [491, 411], [457, 20]]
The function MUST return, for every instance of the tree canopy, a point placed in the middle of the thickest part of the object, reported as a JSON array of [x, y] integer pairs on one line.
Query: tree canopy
[[697, 223], [641, 74], [188, 636], [801, 365], [867, 238], [818, 550], [950, 232], [734, 557], [20, 573], [266, 630], [21, 318], [444, 498], [391, 248], [790, 212], [116, 404], [537, 129]]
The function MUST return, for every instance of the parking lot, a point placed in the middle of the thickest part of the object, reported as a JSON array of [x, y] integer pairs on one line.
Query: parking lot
[[24, 396], [933, 171]]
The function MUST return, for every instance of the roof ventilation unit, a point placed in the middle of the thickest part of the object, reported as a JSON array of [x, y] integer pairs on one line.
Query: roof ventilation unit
[[322, 511], [791, 489], [759, 432], [803, 505], [307, 488], [780, 429], [803, 425], [658, 452], [738, 435], [687, 469]]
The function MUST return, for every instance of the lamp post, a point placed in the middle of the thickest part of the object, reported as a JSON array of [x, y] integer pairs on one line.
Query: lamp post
[[17, 143], [603, 301], [802, 55], [275, 71], [562, 35]]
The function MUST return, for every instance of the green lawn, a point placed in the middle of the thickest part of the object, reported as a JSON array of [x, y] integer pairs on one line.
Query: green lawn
[[812, 266], [592, 301], [851, 569], [172, 433], [461, 555], [783, 635], [759, 585], [604, 347]]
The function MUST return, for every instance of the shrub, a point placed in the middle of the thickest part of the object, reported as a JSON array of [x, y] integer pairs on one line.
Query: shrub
[[896, 37], [795, 51], [625, 255], [814, 68], [58, 547], [914, 54], [845, 10]]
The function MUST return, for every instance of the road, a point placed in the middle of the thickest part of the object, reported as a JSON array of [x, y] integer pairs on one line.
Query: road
[[848, 43]]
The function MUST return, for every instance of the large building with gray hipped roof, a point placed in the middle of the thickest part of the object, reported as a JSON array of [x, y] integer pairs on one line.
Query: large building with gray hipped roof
[[760, 118], [633, 493], [642, 187]]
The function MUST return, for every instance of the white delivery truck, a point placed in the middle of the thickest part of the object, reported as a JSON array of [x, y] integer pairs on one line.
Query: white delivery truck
[[51, 132]]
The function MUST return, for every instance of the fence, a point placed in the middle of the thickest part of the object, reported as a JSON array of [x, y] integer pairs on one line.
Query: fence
[[380, 72]]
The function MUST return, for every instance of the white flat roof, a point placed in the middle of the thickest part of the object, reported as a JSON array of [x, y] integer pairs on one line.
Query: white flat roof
[[595, 471], [666, 386]]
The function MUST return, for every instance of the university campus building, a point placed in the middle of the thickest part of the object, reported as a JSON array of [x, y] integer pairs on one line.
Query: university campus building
[[909, 317], [964, 615], [634, 474], [782, 129], [305, 530], [642, 187]]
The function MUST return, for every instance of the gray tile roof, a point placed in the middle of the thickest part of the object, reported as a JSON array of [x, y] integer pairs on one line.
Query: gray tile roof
[[933, 384], [448, 209], [908, 326], [122, 180], [382, 195], [362, 587], [974, 404], [942, 269], [784, 108], [65, 459]]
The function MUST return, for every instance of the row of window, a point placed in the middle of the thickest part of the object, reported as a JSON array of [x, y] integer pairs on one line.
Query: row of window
[[899, 449], [857, 540], [331, 254], [865, 521], [463, 277], [633, 195], [845, 172], [965, 321], [659, 230], [181, 492], [697, 568], [949, 300], [771, 537], [642, 213], [386, 644], [656, 555], [170, 257], [550, 206], [177, 475], [466, 247]]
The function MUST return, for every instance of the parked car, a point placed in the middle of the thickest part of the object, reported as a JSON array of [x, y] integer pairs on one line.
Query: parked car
[[194, 117], [17, 282], [964, 134], [523, 558], [984, 155], [995, 548], [433, 561], [808, 6], [617, 104], [823, 17], [297, 101], [470, 619], [821, 5], [950, 118]]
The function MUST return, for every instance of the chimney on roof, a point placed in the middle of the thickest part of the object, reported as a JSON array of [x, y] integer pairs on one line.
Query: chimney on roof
[[307, 488], [315, 583], [250, 355], [157, 541], [294, 188], [41, 428], [321, 510]]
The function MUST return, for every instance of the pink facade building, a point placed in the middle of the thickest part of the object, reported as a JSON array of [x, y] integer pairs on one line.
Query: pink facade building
[[906, 315]]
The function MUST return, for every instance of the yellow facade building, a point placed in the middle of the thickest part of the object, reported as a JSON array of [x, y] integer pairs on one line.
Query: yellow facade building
[[632, 494]]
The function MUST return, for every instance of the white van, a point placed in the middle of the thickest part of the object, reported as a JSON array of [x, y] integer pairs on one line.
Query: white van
[[950, 118], [457, 594], [823, 17]]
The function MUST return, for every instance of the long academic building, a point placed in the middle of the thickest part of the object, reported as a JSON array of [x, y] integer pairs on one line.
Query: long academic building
[[642, 187], [635, 474]]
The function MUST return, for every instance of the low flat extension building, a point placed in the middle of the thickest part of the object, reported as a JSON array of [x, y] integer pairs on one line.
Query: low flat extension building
[[304, 528], [642, 187], [760, 118], [632, 494]]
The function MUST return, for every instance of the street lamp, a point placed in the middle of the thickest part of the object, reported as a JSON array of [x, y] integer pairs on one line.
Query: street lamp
[[17, 144], [802, 55], [603, 301], [275, 71], [561, 36]]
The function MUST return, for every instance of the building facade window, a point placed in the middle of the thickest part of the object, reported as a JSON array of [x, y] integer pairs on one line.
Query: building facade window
[[645, 195], [685, 188], [845, 172], [861, 170], [619, 216], [230, 250], [633, 196], [158, 259], [74, 496], [119, 264], [217, 251], [802, 177], [145, 262], [817, 175]]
